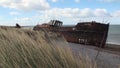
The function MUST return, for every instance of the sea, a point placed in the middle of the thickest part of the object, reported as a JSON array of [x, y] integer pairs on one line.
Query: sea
[[113, 34]]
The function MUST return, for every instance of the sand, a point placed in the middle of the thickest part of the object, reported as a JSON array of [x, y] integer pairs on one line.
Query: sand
[[107, 57]]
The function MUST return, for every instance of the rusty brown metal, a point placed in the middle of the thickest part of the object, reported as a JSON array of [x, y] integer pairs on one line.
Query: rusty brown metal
[[88, 33]]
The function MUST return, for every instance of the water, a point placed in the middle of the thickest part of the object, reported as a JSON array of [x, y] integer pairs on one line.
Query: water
[[114, 34]]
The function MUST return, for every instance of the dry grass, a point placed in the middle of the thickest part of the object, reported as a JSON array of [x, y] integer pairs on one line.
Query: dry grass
[[35, 49]]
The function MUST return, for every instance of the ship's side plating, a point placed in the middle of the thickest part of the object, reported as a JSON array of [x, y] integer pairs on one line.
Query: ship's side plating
[[88, 33]]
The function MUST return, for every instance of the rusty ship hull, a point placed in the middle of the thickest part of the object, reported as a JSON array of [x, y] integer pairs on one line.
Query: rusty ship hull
[[87, 33]]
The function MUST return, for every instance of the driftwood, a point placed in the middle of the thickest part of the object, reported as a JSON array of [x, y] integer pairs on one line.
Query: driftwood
[[17, 26]]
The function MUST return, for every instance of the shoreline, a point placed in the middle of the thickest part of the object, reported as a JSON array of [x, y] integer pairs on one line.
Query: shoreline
[[109, 48], [113, 43], [112, 48]]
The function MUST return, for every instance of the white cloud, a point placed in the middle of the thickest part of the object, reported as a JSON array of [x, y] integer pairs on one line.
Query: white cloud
[[73, 14], [101, 13], [23, 19], [109, 0], [54, 0], [70, 15], [116, 14], [87, 12], [77, 1], [25, 4], [14, 13], [76, 12]]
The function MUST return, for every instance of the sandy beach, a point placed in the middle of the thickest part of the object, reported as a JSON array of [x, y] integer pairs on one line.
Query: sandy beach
[[108, 57]]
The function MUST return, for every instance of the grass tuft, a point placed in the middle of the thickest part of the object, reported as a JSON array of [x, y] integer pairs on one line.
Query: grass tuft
[[20, 48]]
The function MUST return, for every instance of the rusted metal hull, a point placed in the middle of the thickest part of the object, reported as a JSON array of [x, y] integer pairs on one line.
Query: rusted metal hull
[[88, 33], [87, 38]]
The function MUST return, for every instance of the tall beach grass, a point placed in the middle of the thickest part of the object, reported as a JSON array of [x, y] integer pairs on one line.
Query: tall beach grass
[[22, 48]]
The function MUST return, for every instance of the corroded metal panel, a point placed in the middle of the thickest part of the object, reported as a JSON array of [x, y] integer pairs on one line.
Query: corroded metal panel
[[88, 33]]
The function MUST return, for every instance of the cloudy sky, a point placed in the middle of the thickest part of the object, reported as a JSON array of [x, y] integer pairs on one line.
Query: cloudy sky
[[32, 12]]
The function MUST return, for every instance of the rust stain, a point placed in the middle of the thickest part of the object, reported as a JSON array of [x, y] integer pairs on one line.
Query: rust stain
[[88, 33]]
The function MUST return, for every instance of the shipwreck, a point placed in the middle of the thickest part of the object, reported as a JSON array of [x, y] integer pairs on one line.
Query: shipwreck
[[87, 33]]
